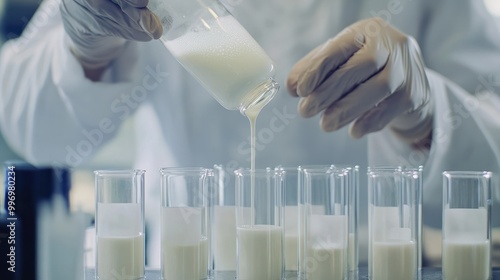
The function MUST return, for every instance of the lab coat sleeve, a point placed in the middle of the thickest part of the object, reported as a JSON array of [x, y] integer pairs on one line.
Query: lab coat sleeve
[[49, 112], [462, 48]]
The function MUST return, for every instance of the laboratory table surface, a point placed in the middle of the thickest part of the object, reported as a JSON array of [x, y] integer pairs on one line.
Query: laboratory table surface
[[431, 273]]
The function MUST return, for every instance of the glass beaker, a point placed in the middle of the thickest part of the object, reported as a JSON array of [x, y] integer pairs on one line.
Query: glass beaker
[[208, 41], [224, 225], [185, 223], [325, 228], [259, 223], [394, 221], [119, 224], [466, 225]]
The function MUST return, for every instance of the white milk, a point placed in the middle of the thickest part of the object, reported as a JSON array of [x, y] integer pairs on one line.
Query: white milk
[[466, 260], [327, 263], [225, 238], [225, 59], [184, 246], [185, 261], [327, 247], [120, 257], [260, 253], [394, 260], [252, 113], [291, 251]]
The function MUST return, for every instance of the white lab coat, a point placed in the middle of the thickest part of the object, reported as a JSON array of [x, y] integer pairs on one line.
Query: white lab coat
[[50, 113]]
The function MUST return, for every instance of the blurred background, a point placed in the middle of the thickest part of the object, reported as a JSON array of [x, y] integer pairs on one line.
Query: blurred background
[[119, 153]]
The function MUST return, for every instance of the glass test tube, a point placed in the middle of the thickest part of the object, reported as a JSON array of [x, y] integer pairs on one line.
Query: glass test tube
[[466, 225], [259, 226], [325, 228], [291, 217], [185, 223], [353, 194], [394, 221], [208, 41], [119, 224], [224, 225], [302, 213]]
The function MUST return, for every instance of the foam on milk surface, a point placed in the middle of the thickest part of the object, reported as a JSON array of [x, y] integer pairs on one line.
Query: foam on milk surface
[[225, 59]]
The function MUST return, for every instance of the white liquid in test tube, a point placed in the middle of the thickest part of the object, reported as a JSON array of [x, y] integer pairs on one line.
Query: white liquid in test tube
[[327, 248], [120, 249], [184, 249], [394, 260], [329, 263], [260, 252], [466, 260], [225, 59], [120, 257], [225, 238], [186, 261]]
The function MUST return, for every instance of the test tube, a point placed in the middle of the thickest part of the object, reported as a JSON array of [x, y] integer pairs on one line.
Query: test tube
[[302, 213], [394, 197], [186, 223], [291, 217], [119, 224], [259, 222], [325, 227], [353, 196], [224, 225], [466, 225]]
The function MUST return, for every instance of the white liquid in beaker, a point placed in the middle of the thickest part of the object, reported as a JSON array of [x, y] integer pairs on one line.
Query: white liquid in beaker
[[225, 238], [260, 253], [185, 261], [120, 257], [327, 262], [466, 260], [224, 58], [394, 260]]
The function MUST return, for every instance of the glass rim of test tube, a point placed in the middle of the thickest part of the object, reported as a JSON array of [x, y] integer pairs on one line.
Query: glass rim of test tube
[[468, 174], [119, 172], [182, 170]]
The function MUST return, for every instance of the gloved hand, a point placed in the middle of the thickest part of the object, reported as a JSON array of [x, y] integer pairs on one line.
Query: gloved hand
[[370, 74], [99, 29]]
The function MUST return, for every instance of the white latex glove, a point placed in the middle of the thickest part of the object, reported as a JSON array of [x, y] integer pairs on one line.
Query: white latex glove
[[99, 28], [370, 74]]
